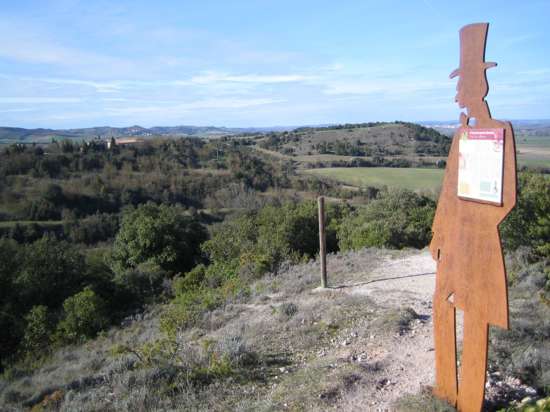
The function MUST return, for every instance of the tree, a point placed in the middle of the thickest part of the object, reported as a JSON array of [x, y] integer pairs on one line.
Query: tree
[[50, 271], [161, 235], [84, 316], [10, 322]]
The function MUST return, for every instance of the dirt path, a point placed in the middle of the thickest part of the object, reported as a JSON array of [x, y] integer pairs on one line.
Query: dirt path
[[407, 359]]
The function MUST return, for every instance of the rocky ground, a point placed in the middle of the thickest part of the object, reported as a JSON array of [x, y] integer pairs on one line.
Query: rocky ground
[[363, 344]]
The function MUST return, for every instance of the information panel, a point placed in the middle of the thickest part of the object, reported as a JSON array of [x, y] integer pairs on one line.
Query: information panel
[[480, 164]]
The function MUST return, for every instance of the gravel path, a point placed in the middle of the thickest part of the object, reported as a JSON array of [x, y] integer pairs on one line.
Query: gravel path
[[407, 359]]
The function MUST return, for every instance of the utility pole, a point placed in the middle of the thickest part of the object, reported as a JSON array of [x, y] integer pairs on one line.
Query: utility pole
[[322, 241]]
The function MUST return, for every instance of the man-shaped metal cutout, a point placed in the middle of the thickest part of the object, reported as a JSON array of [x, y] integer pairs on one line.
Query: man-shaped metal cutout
[[466, 244]]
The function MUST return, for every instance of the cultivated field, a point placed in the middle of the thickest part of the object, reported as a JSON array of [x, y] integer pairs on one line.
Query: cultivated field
[[533, 151], [408, 178]]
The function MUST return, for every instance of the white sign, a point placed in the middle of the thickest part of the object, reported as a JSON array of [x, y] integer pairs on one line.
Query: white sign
[[480, 164]]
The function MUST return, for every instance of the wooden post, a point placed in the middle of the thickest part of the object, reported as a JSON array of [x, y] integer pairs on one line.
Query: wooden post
[[322, 242]]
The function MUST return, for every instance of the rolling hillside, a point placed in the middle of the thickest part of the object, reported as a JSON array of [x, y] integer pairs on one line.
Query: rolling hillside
[[359, 140], [21, 135]]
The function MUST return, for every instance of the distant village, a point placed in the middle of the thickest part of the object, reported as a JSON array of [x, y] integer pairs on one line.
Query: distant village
[[110, 143]]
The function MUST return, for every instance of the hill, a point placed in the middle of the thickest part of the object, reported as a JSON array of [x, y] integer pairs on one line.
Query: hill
[[364, 139], [21, 135], [521, 127], [363, 344]]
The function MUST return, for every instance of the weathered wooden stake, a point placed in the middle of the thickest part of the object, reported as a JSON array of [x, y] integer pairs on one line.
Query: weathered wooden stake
[[322, 241]]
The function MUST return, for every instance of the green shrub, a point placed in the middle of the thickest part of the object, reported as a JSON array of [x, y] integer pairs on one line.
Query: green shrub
[[38, 330], [524, 350], [262, 240], [50, 271], [84, 316], [529, 223], [11, 325], [190, 281], [143, 281], [188, 308], [41, 274], [396, 219], [220, 284], [287, 310], [92, 229], [162, 235], [423, 401]]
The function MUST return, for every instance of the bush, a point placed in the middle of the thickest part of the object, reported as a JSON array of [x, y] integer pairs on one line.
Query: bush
[[524, 350], [38, 330], [10, 324], [161, 235], [92, 229], [42, 209], [529, 223], [142, 282], [395, 219], [287, 310], [261, 240], [84, 317], [50, 271], [192, 280], [206, 289]]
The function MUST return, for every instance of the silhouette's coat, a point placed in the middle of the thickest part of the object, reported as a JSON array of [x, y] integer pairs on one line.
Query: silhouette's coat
[[466, 244]]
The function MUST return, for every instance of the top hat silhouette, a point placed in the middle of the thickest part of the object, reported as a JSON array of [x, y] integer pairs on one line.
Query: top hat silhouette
[[472, 49]]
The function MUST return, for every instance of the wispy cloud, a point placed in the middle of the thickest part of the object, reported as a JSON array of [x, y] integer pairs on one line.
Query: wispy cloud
[[397, 86], [38, 100], [100, 87], [192, 106], [34, 46], [519, 39], [541, 71], [214, 77]]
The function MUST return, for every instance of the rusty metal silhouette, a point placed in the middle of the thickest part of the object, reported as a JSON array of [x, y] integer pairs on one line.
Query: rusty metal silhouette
[[471, 275]]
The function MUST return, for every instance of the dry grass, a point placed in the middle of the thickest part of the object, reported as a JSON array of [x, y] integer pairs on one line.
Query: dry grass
[[290, 346]]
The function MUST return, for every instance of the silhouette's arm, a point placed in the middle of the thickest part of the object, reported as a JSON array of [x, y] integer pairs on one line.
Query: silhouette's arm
[[509, 182], [446, 198]]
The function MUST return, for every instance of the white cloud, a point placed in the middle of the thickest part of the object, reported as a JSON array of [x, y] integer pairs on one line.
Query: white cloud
[[38, 100], [205, 104], [383, 86], [100, 87], [35, 46], [214, 77]]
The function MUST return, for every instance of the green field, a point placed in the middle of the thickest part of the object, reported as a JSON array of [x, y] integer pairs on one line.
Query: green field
[[407, 178], [533, 151]]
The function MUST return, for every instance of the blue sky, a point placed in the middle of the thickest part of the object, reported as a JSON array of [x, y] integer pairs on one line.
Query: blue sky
[[261, 63]]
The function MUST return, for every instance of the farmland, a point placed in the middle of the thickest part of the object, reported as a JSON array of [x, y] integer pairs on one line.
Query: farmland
[[533, 151], [407, 178]]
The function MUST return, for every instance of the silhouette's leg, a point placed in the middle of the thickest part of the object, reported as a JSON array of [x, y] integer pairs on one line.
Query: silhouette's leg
[[445, 349], [471, 389]]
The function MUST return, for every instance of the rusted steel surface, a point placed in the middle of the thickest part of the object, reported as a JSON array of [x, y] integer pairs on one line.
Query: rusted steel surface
[[471, 275]]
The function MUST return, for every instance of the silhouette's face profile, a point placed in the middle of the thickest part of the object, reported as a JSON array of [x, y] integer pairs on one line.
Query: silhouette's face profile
[[460, 98], [471, 89]]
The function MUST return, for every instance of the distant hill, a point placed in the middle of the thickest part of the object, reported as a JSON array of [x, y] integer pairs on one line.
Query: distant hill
[[539, 127], [326, 132], [363, 139], [21, 135]]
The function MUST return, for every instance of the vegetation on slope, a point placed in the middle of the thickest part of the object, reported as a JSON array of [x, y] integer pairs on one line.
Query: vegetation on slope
[[119, 230]]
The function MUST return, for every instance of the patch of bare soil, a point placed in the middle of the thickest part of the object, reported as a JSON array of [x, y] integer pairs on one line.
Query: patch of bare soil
[[406, 357]]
